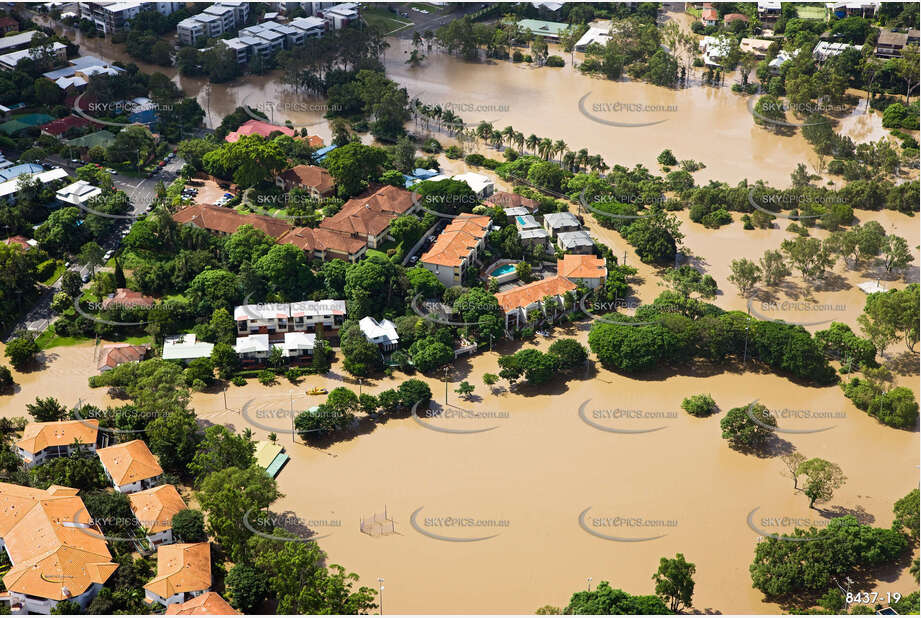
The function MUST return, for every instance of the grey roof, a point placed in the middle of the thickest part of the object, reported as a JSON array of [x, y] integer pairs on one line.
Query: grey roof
[[532, 233], [571, 240], [561, 219]]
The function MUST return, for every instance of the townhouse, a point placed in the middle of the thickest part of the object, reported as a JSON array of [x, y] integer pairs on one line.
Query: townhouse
[[587, 270], [367, 218], [56, 551], [154, 509], [315, 180], [383, 334], [43, 441], [457, 248], [209, 603], [521, 303], [130, 466], [183, 572]]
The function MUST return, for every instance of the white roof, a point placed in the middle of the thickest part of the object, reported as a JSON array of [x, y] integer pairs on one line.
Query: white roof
[[23, 38], [299, 341], [765, 5], [13, 58], [560, 219], [534, 232], [515, 211], [384, 331], [253, 343], [308, 23], [262, 311], [78, 192], [11, 186], [594, 35], [66, 82], [185, 347], [477, 182], [526, 221], [317, 308], [872, 286]]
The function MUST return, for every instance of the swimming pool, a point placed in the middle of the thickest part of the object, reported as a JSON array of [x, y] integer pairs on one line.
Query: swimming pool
[[505, 269]]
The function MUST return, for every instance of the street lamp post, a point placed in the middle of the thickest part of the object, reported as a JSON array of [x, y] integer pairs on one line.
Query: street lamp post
[[588, 580], [380, 583], [446, 385]]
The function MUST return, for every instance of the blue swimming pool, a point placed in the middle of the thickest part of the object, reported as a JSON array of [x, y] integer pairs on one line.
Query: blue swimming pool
[[505, 269]]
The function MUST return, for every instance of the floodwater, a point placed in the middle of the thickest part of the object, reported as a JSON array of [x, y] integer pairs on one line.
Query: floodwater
[[541, 465]]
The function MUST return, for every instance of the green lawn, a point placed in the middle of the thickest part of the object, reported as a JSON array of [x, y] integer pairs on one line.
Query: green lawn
[[58, 271], [139, 340], [383, 19], [810, 11], [49, 339]]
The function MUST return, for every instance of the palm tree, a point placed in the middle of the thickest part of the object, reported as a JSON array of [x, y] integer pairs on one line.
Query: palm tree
[[569, 159], [484, 130], [532, 143], [582, 157], [545, 147], [519, 140], [559, 146], [495, 139]]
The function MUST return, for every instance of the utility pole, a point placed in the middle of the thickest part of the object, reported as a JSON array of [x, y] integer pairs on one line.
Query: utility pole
[[380, 583], [447, 369]]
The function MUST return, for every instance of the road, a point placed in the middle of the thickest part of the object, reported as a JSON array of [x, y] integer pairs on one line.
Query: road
[[433, 20], [140, 192]]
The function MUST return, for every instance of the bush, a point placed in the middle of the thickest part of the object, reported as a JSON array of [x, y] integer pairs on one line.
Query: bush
[[517, 56], [266, 377], [238, 381], [555, 61], [741, 429], [453, 152], [699, 405], [6, 379], [474, 159]]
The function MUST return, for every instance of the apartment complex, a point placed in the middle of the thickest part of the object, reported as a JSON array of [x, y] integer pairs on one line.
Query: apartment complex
[[130, 466], [456, 248], [211, 23], [43, 441], [112, 17], [183, 572]]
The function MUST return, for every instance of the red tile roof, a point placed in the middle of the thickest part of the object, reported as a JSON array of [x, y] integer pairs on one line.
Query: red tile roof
[[309, 176], [227, 220], [208, 604], [457, 240], [505, 199], [62, 125], [370, 215], [22, 241], [128, 298], [319, 239], [534, 292], [578, 266], [257, 127], [119, 353]]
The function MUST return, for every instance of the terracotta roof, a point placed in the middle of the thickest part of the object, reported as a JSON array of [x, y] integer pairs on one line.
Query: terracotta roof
[[128, 298], [581, 266], [116, 354], [22, 241], [183, 567], [155, 507], [534, 292], [315, 141], [8, 21], [39, 436], [319, 239], [457, 240], [257, 127], [510, 200], [309, 176], [372, 214], [129, 462], [709, 14], [731, 17], [52, 560], [210, 603], [62, 125], [227, 220]]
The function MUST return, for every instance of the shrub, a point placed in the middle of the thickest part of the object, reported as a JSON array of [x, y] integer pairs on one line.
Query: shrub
[[747, 427], [554, 61], [266, 377], [453, 152], [238, 381], [699, 405]]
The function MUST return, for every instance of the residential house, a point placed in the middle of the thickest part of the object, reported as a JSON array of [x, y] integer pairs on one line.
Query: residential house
[[593, 36], [226, 221], [456, 248], [383, 333], [10, 60], [324, 244], [43, 441], [889, 44], [556, 222], [130, 466], [588, 270], [307, 316], [825, 50], [78, 194], [9, 188], [316, 180], [21, 241], [257, 127], [521, 303], [56, 551], [368, 218], [733, 17], [154, 509], [8, 24], [768, 10], [123, 297], [481, 184], [505, 199], [17, 41], [782, 57], [546, 29], [757, 47], [115, 354], [854, 8], [185, 348], [183, 572], [709, 16], [207, 604], [575, 242], [253, 349]]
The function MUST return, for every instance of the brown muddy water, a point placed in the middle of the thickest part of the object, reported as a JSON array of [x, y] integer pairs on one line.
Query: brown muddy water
[[545, 482]]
